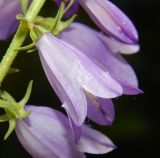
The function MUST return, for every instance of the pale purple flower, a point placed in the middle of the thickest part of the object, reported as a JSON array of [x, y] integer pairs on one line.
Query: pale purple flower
[[74, 76], [110, 19], [104, 51], [9, 9], [46, 133]]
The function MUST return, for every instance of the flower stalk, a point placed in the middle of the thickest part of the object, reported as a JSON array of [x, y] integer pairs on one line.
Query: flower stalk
[[19, 38]]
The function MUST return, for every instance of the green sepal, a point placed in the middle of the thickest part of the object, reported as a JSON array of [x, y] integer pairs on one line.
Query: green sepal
[[10, 108], [26, 48], [20, 17], [36, 31], [4, 118], [12, 125], [63, 25], [58, 17], [26, 97], [47, 23], [6, 96], [31, 50], [7, 106], [39, 31], [33, 34], [24, 5], [52, 26], [4, 104], [14, 111]]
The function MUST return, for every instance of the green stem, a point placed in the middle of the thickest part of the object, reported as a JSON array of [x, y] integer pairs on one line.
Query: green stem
[[19, 38], [10, 55]]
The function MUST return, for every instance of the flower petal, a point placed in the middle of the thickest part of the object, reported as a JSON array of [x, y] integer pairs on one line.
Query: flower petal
[[98, 82], [82, 37], [119, 47], [65, 87], [45, 134], [130, 89], [111, 20], [94, 142], [68, 70], [100, 110], [75, 129]]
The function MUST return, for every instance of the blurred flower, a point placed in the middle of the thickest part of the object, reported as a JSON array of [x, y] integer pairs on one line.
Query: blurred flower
[[74, 76], [9, 9], [46, 134], [104, 52], [110, 19]]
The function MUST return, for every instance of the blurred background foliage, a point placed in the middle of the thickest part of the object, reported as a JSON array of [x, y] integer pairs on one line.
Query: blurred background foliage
[[136, 127]]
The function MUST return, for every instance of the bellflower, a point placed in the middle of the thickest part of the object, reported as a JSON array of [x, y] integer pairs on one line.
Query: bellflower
[[75, 77], [9, 9], [46, 134], [104, 51], [110, 19]]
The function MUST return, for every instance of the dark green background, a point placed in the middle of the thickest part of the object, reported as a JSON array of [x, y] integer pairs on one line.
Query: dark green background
[[136, 127]]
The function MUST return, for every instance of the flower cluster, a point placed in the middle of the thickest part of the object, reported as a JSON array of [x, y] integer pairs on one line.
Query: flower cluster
[[84, 67]]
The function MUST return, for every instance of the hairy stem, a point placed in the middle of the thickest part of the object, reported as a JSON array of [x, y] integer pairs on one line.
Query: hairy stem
[[19, 38]]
